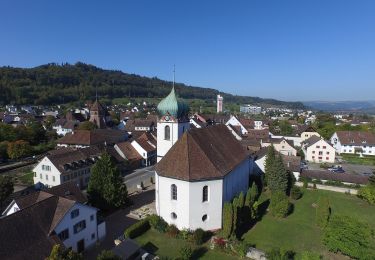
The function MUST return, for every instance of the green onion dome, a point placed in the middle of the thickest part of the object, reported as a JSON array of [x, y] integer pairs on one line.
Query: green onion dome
[[170, 104]]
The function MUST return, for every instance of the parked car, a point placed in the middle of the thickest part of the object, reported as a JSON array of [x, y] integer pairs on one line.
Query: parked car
[[336, 169]]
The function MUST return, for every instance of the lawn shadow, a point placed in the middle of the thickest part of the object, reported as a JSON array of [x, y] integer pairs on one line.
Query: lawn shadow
[[150, 248], [199, 253], [245, 227]]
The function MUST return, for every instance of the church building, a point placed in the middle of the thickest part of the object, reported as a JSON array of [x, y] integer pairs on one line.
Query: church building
[[198, 169]]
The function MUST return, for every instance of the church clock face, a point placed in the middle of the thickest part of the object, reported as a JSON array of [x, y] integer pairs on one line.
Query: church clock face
[[166, 118]]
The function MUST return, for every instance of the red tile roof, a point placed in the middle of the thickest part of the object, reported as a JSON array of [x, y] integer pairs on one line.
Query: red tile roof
[[201, 154]]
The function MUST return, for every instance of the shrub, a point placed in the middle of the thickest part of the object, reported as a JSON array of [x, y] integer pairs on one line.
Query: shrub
[[305, 183], [367, 193], [186, 252], [349, 236], [227, 219], [185, 234], [314, 186], [323, 211], [199, 236], [173, 231], [295, 193], [137, 229], [219, 242], [279, 206], [107, 255], [280, 254], [158, 223], [241, 249], [307, 255]]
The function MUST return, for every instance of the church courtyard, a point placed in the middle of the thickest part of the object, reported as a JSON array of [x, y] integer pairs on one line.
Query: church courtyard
[[297, 232]]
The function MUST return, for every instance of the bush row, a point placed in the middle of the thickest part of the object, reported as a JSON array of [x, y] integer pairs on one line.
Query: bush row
[[137, 229]]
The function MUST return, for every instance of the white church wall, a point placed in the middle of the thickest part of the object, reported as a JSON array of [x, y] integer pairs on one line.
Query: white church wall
[[165, 206], [212, 208]]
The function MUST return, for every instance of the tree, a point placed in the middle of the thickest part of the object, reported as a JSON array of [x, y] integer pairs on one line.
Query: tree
[[58, 253], [349, 236], [236, 215], [6, 188], [87, 125], [277, 176], [279, 205], [19, 149], [227, 219], [270, 160], [367, 193], [50, 120], [323, 211], [107, 255], [254, 193], [248, 197], [3, 151], [106, 188]]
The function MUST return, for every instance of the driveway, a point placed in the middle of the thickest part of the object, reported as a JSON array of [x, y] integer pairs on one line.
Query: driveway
[[348, 168], [117, 222]]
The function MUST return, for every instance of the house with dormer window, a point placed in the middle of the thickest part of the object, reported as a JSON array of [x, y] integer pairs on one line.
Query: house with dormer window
[[354, 142]]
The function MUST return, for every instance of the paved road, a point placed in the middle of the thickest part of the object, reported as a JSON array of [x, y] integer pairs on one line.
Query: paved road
[[137, 176], [349, 168]]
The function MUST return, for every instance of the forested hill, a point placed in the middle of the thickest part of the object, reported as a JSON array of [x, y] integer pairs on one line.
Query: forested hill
[[56, 84]]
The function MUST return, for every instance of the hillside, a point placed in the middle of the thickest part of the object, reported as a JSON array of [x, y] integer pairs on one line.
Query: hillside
[[344, 106], [56, 84]]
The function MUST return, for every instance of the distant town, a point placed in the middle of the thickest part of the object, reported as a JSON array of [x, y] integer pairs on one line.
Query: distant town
[[97, 180]]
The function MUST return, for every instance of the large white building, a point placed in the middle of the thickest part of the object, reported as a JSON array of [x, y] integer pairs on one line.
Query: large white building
[[354, 142], [66, 165], [198, 170]]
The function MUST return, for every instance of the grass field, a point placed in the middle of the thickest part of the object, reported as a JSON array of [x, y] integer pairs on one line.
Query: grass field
[[298, 231], [162, 245], [27, 178], [355, 159]]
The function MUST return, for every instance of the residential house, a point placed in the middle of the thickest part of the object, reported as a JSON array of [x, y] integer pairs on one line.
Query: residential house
[[145, 145], [87, 138], [63, 126], [66, 165], [43, 219], [281, 145], [352, 142], [316, 149]]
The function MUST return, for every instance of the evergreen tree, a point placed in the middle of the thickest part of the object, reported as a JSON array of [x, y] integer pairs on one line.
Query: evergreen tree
[[106, 189], [277, 176], [227, 219], [270, 160], [6, 188], [254, 194], [236, 215], [248, 198]]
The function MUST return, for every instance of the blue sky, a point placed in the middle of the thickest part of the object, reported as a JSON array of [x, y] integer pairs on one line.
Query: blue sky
[[289, 49]]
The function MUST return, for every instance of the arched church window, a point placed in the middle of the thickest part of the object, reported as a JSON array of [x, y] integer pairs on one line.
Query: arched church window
[[173, 192], [167, 132], [204, 218], [205, 193], [173, 215]]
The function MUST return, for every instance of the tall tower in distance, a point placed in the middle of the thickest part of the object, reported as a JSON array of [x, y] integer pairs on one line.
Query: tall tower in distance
[[219, 103]]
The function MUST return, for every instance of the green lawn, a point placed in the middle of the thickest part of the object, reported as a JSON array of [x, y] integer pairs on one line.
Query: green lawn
[[355, 159], [162, 245], [298, 231], [27, 178]]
